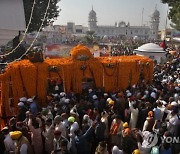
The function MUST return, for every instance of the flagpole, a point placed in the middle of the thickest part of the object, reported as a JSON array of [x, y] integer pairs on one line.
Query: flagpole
[[166, 23], [142, 17]]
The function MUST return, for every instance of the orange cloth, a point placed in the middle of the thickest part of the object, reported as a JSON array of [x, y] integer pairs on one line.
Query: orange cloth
[[115, 128], [24, 78], [150, 114]]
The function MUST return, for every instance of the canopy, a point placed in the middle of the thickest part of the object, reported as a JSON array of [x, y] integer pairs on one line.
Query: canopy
[[150, 47], [27, 79], [177, 39], [12, 19], [152, 51]]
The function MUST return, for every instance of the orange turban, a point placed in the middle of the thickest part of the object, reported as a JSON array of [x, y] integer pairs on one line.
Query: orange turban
[[150, 114], [127, 131]]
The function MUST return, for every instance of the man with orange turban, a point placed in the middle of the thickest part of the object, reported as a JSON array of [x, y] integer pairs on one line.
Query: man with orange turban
[[115, 130], [128, 143], [149, 123]]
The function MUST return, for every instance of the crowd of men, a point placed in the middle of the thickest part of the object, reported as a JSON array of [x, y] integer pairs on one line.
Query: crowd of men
[[143, 119]]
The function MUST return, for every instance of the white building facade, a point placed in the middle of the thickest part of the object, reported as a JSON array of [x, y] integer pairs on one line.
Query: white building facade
[[76, 29], [124, 30]]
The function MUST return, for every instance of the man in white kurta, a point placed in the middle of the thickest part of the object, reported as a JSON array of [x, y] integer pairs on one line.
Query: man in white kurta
[[60, 126], [36, 136], [134, 115]]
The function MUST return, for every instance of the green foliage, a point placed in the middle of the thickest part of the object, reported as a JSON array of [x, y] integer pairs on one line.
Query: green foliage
[[170, 2], [174, 14], [39, 11], [90, 37]]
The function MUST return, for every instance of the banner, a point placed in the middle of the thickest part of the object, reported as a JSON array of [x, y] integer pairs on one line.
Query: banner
[[56, 51]]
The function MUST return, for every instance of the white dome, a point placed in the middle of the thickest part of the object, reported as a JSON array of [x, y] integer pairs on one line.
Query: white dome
[[150, 47], [122, 24], [92, 13], [155, 13]]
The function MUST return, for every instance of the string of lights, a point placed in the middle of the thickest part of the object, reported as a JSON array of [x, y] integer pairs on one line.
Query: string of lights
[[37, 32]]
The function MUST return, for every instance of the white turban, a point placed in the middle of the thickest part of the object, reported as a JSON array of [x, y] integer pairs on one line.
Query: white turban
[[174, 103], [129, 94], [20, 104], [153, 95], [94, 97], [23, 99], [67, 101], [109, 99], [90, 90], [30, 100]]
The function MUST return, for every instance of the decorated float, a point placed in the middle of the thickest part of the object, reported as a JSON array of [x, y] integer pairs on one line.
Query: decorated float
[[31, 78]]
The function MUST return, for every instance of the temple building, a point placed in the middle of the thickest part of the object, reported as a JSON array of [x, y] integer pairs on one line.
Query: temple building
[[125, 30]]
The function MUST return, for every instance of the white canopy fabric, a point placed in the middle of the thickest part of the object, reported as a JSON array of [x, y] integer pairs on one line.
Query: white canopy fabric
[[177, 39], [152, 51], [12, 19], [150, 47]]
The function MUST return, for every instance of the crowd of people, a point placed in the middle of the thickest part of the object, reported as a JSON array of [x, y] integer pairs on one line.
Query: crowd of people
[[142, 119]]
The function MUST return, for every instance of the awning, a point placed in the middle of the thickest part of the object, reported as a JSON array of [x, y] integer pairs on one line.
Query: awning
[[176, 39]]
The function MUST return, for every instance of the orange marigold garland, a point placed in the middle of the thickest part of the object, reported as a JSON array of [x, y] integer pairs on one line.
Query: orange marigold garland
[[111, 73]]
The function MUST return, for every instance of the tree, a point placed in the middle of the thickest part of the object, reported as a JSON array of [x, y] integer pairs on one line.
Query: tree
[[90, 37], [39, 11], [174, 14], [37, 18]]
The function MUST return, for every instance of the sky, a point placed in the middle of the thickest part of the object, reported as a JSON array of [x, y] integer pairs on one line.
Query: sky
[[110, 11]]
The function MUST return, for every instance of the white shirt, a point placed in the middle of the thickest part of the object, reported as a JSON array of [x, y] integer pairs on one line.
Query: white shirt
[[62, 128], [157, 114], [134, 112], [145, 124], [23, 149], [173, 120], [162, 108], [116, 150], [65, 123], [57, 146], [97, 54], [74, 127], [9, 144], [145, 147], [134, 115], [49, 135]]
